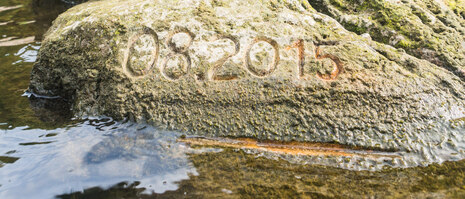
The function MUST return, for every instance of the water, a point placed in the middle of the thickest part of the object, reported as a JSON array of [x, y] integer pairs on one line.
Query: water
[[46, 153]]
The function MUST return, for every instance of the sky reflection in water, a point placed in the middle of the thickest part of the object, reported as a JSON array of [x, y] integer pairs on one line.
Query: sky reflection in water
[[43, 152], [82, 156]]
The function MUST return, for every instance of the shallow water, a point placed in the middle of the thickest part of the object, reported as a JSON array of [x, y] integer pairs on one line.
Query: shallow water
[[46, 153]]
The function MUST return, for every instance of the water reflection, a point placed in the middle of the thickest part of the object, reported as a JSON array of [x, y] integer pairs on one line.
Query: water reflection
[[93, 153], [53, 112], [235, 174], [22, 24], [101, 158], [28, 54]]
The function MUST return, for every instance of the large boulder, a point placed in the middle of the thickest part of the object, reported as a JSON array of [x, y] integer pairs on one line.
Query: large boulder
[[270, 69]]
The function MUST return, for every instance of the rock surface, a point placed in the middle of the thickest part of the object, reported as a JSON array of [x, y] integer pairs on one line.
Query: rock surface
[[280, 70], [433, 30]]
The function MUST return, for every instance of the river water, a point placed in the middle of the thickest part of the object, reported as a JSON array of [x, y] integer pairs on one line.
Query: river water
[[47, 153]]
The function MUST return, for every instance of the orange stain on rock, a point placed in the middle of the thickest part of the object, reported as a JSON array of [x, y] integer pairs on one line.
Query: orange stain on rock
[[292, 148]]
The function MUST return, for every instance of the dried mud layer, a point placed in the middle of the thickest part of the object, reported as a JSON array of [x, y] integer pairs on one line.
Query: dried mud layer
[[385, 75]]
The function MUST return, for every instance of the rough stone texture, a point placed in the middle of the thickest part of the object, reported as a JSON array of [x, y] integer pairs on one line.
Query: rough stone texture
[[433, 30], [379, 96]]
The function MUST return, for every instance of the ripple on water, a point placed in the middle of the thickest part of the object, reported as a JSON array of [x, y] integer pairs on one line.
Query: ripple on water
[[103, 152], [93, 153]]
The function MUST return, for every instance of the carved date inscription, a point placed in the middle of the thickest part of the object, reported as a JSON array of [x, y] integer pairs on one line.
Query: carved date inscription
[[178, 62]]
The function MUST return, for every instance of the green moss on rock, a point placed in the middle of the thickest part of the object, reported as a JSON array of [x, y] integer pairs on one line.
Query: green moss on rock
[[384, 98], [415, 26]]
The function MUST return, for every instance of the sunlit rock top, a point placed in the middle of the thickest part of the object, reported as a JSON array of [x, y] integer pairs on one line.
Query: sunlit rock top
[[276, 70]]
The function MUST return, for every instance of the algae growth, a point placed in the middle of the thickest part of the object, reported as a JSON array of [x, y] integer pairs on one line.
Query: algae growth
[[231, 174], [432, 30], [382, 97]]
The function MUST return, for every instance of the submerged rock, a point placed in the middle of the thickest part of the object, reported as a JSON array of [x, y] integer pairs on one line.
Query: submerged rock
[[276, 70]]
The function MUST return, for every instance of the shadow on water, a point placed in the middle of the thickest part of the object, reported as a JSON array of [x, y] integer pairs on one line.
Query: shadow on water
[[54, 112]]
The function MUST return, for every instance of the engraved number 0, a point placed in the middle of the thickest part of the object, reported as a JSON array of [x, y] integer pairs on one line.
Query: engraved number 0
[[273, 65], [211, 73], [132, 40]]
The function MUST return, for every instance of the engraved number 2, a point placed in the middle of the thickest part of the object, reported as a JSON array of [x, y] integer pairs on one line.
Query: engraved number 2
[[211, 73]]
